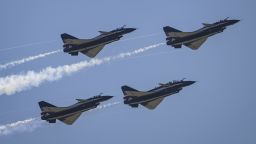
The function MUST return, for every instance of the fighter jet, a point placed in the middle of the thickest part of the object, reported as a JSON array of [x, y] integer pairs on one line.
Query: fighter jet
[[91, 47], [152, 98], [70, 114], [194, 40]]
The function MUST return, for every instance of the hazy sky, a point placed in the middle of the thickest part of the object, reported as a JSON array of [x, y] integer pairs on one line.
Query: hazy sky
[[219, 108]]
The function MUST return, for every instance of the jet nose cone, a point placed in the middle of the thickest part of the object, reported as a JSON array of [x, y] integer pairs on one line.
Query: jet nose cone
[[131, 29], [188, 83], [107, 97], [191, 82], [233, 21]]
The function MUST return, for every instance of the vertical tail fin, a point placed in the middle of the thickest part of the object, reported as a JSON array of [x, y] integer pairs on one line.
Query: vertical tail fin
[[168, 30], [66, 36], [43, 105], [126, 89], [131, 92]]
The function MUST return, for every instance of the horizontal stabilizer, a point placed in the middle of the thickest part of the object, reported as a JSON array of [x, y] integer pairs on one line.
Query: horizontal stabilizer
[[152, 104], [70, 119], [177, 46], [52, 121], [93, 52], [196, 44], [134, 105], [74, 53]]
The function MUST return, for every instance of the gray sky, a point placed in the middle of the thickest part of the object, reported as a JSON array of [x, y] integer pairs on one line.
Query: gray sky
[[219, 108]]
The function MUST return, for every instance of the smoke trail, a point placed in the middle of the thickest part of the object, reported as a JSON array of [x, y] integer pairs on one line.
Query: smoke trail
[[29, 44], [105, 106], [21, 126], [20, 82], [52, 41], [27, 59], [141, 37], [31, 124]]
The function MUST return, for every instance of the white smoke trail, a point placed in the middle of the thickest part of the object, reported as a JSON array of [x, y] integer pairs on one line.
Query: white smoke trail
[[27, 59], [105, 106], [31, 124], [53, 41], [140, 37], [20, 82], [21, 126], [29, 44]]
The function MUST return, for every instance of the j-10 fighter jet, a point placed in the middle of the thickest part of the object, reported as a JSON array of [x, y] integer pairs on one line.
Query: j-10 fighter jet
[[91, 47], [195, 39], [69, 114], [152, 98]]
